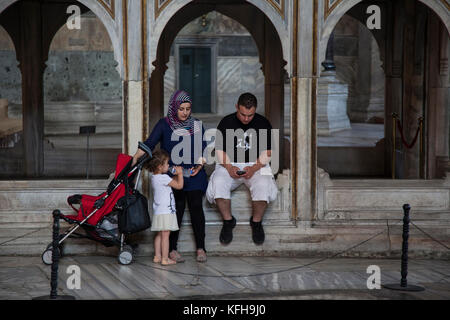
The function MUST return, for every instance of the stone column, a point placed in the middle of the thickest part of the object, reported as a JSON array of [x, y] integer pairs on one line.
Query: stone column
[[437, 116], [134, 108], [32, 68], [303, 120], [393, 88]]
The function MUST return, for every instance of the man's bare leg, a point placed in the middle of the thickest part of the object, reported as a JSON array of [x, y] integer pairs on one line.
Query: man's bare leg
[[258, 209], [224, 206]]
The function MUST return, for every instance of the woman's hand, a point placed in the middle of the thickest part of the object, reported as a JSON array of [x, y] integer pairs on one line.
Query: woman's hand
[[196, 169], [178, 171], [139, 153]]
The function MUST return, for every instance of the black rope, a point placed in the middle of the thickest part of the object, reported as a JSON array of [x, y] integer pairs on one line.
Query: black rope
[[23, 236], [429, 236], [271, 272], [263, 273]]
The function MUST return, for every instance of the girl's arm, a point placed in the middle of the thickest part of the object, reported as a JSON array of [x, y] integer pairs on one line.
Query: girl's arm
[[178, 180]]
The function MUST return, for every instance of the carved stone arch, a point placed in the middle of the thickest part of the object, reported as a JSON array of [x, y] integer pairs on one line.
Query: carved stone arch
[[103, 15], [440, 7], [280, 25], [163, 17], [259, 26], [160, 22], [111, 27]]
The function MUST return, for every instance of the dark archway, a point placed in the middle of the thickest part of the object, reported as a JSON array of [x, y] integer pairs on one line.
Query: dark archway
[[266, 39], [32, 26], [413, 42]]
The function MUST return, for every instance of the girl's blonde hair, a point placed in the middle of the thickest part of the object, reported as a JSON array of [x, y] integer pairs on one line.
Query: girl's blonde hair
[[158, 159]]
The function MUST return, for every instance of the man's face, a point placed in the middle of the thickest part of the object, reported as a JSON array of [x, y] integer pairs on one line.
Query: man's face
[[245, 115]]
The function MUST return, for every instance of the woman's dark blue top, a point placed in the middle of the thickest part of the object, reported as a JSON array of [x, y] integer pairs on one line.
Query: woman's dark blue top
[[162, 133]]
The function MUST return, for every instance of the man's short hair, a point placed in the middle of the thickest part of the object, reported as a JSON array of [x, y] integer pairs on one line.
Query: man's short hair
[[247, 100]]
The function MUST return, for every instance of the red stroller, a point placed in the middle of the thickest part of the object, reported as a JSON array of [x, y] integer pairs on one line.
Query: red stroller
[[98, 215]]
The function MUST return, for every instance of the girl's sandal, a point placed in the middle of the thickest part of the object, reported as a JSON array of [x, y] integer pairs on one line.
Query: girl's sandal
[[156, 259], [168, 262]]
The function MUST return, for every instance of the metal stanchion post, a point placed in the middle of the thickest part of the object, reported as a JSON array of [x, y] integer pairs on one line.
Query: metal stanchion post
[[403, 286], [55, 261], [394, 132], [421, 155]]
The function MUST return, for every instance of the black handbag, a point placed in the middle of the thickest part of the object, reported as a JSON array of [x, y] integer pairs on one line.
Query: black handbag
[[134, 216]]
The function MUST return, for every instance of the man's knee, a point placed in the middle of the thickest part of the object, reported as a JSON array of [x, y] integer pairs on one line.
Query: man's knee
[[263, 189]]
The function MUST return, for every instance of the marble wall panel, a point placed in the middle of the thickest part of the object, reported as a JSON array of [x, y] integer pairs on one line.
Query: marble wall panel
[[44, 196], [382, 199]]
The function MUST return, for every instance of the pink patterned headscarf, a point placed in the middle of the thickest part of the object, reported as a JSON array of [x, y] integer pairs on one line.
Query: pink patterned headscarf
[[190, 124]]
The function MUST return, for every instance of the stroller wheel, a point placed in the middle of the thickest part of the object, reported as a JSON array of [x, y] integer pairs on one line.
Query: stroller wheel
[[47, 256], [126, 255]]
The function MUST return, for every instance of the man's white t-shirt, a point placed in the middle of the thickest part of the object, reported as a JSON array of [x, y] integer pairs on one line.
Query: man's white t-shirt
[[163, 199]]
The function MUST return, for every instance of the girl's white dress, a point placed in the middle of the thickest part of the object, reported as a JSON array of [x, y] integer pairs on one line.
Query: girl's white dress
[[164, 212]]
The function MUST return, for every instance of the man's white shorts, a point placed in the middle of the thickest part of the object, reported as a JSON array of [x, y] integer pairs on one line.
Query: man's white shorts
[[262, 184]]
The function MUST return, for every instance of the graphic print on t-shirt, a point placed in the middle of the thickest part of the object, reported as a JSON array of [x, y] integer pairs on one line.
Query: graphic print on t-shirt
[[246, 142]]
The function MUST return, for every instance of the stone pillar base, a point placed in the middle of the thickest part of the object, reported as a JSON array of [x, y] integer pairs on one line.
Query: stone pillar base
[[331, 105]]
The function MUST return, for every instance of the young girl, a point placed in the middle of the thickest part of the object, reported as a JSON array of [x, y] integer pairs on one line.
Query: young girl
[[164, 212]]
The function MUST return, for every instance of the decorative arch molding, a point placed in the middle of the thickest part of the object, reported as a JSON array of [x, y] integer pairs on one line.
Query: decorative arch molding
[[109, 6], [163, 10], [279, 5], [105, 11], [334, 10], [159, 6]]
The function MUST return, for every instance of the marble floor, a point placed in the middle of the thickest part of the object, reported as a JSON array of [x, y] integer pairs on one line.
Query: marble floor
[[222, 278]]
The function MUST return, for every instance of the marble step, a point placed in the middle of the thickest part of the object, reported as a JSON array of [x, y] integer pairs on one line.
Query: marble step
[[365, 215], [321, 240]]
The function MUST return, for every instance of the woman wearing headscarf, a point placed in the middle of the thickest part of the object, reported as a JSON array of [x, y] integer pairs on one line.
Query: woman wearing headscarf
[[180, 132]]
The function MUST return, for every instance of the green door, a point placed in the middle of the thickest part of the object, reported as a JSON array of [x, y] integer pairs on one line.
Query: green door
[[195, 76]]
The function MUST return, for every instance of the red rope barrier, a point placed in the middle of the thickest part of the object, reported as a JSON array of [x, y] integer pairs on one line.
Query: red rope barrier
[[406, 144]]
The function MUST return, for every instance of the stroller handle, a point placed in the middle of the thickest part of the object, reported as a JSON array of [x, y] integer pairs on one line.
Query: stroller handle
[[144, 147], [146, 157]]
